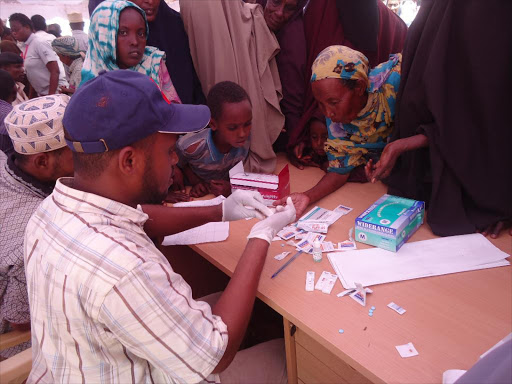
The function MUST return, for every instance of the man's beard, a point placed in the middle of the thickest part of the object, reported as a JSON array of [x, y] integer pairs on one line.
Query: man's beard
[[150, 191]]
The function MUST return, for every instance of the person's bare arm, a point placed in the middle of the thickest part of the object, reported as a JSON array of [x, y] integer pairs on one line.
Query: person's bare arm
[[53, 68], [331, 182], [164, 221], [236, 303], [20, 327]]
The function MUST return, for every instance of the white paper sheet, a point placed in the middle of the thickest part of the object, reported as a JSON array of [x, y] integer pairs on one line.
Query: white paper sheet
[[207, 233], [415, 260]]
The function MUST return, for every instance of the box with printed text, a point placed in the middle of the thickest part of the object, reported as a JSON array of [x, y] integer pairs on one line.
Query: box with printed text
[[271, 187], [390, 222]]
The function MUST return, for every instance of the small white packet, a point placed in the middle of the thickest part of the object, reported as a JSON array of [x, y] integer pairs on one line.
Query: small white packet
[[310, 281], [407, 350], [312, 226], [322, 280], [287, 233], [304, 246], [396, 308], [300, 236], [343, 210], [359, 295], [327, 246], [345, 292], [347, 245], [312, 237], [329, 284], [351, 290], [281, 256]]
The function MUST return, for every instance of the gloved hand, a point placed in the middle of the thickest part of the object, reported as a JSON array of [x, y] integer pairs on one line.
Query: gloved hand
[[267, 229], [234, 207]]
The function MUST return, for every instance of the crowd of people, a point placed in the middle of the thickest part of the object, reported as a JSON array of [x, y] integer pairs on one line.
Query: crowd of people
[[99, 128]]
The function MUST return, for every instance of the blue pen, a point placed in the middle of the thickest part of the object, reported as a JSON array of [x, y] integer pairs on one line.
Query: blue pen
[[286, 264]]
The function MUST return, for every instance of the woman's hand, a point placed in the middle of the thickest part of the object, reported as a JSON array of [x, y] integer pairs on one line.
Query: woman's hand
[[66, 90], [220, 187], [200, 190], [300, 201], [494, 230], [383, 167]]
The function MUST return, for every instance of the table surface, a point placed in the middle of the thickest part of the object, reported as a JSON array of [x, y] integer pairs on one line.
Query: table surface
[[450, 319]]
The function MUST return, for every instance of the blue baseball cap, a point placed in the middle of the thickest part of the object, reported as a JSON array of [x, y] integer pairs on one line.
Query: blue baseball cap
[[118, 108]]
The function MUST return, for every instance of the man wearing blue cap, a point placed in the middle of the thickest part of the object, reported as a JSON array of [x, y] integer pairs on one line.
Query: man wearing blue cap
[[105, 304]]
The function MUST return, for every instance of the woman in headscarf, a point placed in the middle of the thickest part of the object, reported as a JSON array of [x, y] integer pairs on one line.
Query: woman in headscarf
[[167, 33], [230, 40], [366, 26], [359, 106], [451, 144], [72, 57], [117, 40]]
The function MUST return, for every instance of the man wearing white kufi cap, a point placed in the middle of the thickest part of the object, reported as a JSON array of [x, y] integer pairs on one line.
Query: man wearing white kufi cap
[[76, 23], [26, 178]]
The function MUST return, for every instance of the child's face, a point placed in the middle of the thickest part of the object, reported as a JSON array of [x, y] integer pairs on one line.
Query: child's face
[[233, 127], [131, 38], [318, 136]]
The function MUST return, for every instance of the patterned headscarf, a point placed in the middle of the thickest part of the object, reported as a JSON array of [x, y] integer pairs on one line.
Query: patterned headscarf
[[35, 126], [353, 144], [103, 43], [67, 46], [340, 62]]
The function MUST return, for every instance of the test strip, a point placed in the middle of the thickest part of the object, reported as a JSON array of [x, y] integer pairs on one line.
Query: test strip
[[329, 284], [396, 308], [322, 280], [310, 281]]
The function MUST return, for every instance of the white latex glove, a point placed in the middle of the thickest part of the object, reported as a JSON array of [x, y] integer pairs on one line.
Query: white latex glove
[[234, 207], [267, 229]]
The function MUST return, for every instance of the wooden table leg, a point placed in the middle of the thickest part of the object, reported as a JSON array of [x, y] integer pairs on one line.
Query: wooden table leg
[[291, 359]]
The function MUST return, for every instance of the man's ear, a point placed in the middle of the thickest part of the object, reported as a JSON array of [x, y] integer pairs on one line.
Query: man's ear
[[130, 160], [41, 161], [361, 87]]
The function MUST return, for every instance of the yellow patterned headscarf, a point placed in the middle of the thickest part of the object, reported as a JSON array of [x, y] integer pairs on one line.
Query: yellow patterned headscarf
[[340, 62]]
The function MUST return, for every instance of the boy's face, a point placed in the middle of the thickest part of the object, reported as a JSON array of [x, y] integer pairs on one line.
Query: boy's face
[[318, 136], [233, 127], [131, 38]]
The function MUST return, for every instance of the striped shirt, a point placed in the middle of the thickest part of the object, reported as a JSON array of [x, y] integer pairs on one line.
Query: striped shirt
[[21, 195], [206, 160], [106, 306]]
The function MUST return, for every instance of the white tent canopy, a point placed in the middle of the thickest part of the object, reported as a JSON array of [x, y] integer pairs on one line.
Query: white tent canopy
[[49, 9], [54, 11]]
